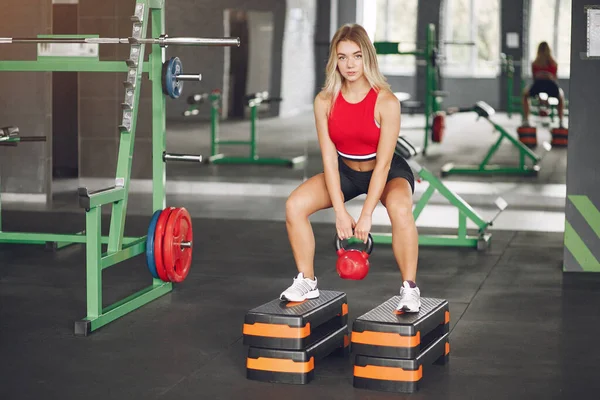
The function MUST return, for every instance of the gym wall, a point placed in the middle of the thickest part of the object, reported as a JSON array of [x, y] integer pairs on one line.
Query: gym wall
[[26, 101], [582, 238]]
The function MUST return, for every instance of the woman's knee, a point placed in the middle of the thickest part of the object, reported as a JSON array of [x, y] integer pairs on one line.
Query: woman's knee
[[401, 213]]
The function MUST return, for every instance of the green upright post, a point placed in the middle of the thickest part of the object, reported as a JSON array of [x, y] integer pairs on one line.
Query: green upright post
[[253, 116], [429, 83], [215, 101], [159, 137], [126, 144], [94, 263]]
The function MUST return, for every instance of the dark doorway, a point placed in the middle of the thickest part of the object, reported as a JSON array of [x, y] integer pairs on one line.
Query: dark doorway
[[65, 154], [238, 74]]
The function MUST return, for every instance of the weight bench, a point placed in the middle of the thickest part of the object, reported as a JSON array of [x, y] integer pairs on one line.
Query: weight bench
[[480, 241], [484, 110]]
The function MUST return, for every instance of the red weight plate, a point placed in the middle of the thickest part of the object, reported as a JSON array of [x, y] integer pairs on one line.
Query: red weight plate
[[159, 237], [177, 260], [437, 129]]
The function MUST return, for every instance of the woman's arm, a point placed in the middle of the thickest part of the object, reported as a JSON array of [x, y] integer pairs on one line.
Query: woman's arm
[[328, 153], [389, 112]]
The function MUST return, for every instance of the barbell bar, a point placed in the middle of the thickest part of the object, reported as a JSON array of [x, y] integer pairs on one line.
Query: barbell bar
[[163, 41]]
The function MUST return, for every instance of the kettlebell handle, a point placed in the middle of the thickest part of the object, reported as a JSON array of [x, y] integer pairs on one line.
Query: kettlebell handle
[[339, 244]]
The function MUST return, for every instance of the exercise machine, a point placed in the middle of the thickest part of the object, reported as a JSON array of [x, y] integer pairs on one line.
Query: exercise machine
[[480, 241], [484, 110], [216, 156], [170, 227], [428, 57]]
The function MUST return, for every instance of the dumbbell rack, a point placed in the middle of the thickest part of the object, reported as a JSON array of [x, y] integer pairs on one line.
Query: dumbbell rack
[[119, 248]]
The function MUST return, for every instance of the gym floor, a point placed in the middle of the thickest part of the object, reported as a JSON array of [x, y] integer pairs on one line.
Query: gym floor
[[520, 327]]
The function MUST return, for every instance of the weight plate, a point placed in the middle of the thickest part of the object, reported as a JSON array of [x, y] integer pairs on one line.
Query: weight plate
[[177, 260], [170, 70], [159, 243], [150, 244]]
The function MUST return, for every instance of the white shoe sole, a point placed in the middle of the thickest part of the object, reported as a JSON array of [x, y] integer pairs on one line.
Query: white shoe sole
[[308, 296]]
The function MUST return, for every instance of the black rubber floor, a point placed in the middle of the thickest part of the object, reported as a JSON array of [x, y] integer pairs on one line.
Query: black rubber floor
[[520, 328]]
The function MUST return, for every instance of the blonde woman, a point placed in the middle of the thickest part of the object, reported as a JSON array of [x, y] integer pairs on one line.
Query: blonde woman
[[543, 71], [358, 122]]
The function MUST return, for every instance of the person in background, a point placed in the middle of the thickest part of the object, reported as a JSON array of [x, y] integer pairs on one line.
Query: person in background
[[543, 70]]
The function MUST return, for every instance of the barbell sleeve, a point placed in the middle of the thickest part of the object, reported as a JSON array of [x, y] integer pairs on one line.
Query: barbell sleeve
[[182, 157], [193, 78], [191, 41]]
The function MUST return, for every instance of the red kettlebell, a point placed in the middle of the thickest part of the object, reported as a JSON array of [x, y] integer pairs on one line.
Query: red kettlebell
[[353, 263]]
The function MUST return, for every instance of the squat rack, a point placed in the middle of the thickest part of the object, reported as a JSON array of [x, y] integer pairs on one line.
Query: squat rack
[[119, 248]]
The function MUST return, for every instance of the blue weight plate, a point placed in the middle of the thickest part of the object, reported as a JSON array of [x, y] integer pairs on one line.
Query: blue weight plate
[[150, 245], [171, 86]]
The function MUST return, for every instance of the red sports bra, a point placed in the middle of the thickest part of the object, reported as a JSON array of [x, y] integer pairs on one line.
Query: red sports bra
[[353, 128]]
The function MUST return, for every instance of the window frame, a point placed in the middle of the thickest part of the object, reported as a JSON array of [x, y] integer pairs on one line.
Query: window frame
[[366, 15], [469, 69]]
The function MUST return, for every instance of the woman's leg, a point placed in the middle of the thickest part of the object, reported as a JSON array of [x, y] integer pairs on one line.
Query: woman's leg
[[397, 199], [308, 198]]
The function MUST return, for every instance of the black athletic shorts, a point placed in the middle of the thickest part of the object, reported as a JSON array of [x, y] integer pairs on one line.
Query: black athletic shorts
[[355, 183], [545, 86]]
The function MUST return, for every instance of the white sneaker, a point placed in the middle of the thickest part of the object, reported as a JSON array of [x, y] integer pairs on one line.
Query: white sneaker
[[410, 298], [302, 289]]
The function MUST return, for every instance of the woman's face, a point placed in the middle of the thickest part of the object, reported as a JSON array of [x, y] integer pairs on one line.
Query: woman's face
[[349, 60]]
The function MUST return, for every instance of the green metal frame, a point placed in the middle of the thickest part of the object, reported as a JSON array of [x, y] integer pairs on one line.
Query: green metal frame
[[433, 96], [216, 157], [118, 247], [465, 212], [484, 168]]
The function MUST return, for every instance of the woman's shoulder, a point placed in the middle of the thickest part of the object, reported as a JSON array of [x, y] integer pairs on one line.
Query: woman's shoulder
[[385, 96]]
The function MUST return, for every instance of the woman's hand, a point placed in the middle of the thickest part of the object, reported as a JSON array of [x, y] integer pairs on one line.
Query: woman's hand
[[344, 224], [363, 228]]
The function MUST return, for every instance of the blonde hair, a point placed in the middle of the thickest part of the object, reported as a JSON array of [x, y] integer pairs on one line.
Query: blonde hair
[[334, 80], [544, 55]]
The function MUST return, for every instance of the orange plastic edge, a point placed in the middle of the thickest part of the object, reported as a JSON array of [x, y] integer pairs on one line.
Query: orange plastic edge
[[280, 365], [388, 373], [276, 331], [386, 339]]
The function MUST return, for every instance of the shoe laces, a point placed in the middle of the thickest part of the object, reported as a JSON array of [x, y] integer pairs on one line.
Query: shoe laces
[[301, 285], [409, 294]]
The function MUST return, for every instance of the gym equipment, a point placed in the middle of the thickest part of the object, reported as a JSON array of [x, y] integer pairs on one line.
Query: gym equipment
[[177, 250], [391, 348], [9, 136], [150, 244], [285, 339], [528, 136], [119, 247], [353, 263], [173, 77], [560, 137], [430, 58], [194, 101], [484, 110], [480, 241], [253, 158]]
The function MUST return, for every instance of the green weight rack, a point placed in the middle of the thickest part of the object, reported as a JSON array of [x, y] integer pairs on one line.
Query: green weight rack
[[119, 248], [216, 157]]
